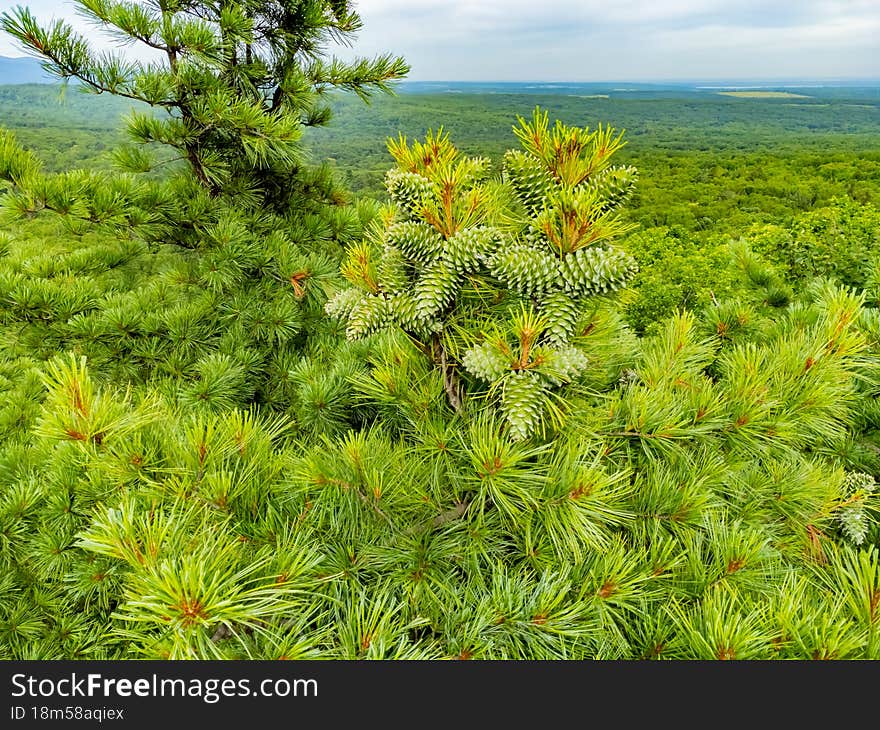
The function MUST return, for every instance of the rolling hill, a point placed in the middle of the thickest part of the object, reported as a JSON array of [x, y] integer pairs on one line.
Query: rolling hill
[[22, 70]]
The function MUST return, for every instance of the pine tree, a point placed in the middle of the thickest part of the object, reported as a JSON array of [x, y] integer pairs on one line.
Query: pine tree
[[231, 89], [236, 81], [499, 271]]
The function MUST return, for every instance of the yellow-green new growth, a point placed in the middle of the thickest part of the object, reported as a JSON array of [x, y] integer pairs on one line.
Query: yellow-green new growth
[[462, 255]]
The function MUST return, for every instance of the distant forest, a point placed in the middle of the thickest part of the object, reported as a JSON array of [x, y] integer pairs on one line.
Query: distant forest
[[708, 162]]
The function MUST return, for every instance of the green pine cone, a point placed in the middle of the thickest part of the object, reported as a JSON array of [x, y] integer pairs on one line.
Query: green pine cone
[[469, 247], [341, 305], [418, 242], [859, 482], [854, 523], [614, 186], [596, 270], [566, 363], [525, 269], [435, 289], [530, 179], [533, 236], [485, 362], [392, 275], [409, 191], [561, 313], [369, 315], [522, 403], [403, 310]]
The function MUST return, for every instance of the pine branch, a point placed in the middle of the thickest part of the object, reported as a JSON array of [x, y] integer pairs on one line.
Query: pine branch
[[451, 383]]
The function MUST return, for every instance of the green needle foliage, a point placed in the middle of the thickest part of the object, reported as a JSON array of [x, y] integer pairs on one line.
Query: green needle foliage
[[215, 160], [694, 506], [203, 275], [475, 457]]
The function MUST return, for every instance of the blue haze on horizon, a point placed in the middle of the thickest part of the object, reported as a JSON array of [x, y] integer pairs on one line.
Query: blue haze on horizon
[[597, 40]]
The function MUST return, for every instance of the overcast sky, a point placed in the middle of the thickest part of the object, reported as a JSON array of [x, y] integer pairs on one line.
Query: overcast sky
[[597, 40]]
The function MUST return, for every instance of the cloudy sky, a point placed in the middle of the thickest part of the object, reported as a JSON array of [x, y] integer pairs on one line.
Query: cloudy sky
[[596, 40]]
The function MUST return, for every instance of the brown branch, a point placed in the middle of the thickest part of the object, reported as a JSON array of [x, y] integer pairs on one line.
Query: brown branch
[[451, 383], [101, 89], [370, 503], [192, 157], [638, 434], [450, 515]]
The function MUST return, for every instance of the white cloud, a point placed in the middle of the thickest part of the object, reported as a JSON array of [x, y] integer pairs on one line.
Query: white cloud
[[606, 39], [626, 39]]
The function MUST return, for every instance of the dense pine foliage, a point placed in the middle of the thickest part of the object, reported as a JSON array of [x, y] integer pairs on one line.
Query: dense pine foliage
[[496, 412]]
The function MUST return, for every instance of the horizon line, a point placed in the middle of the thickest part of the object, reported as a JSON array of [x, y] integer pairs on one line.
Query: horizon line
[[629, 80], [682, 80]]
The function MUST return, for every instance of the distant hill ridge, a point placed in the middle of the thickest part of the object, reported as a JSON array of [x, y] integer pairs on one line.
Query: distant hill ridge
[[23, 70], [26, 70]]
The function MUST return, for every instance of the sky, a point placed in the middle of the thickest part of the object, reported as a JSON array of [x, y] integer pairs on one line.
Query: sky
[[605, 40]]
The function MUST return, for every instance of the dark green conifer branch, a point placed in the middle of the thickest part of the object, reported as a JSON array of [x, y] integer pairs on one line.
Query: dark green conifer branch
[[238, 80]]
